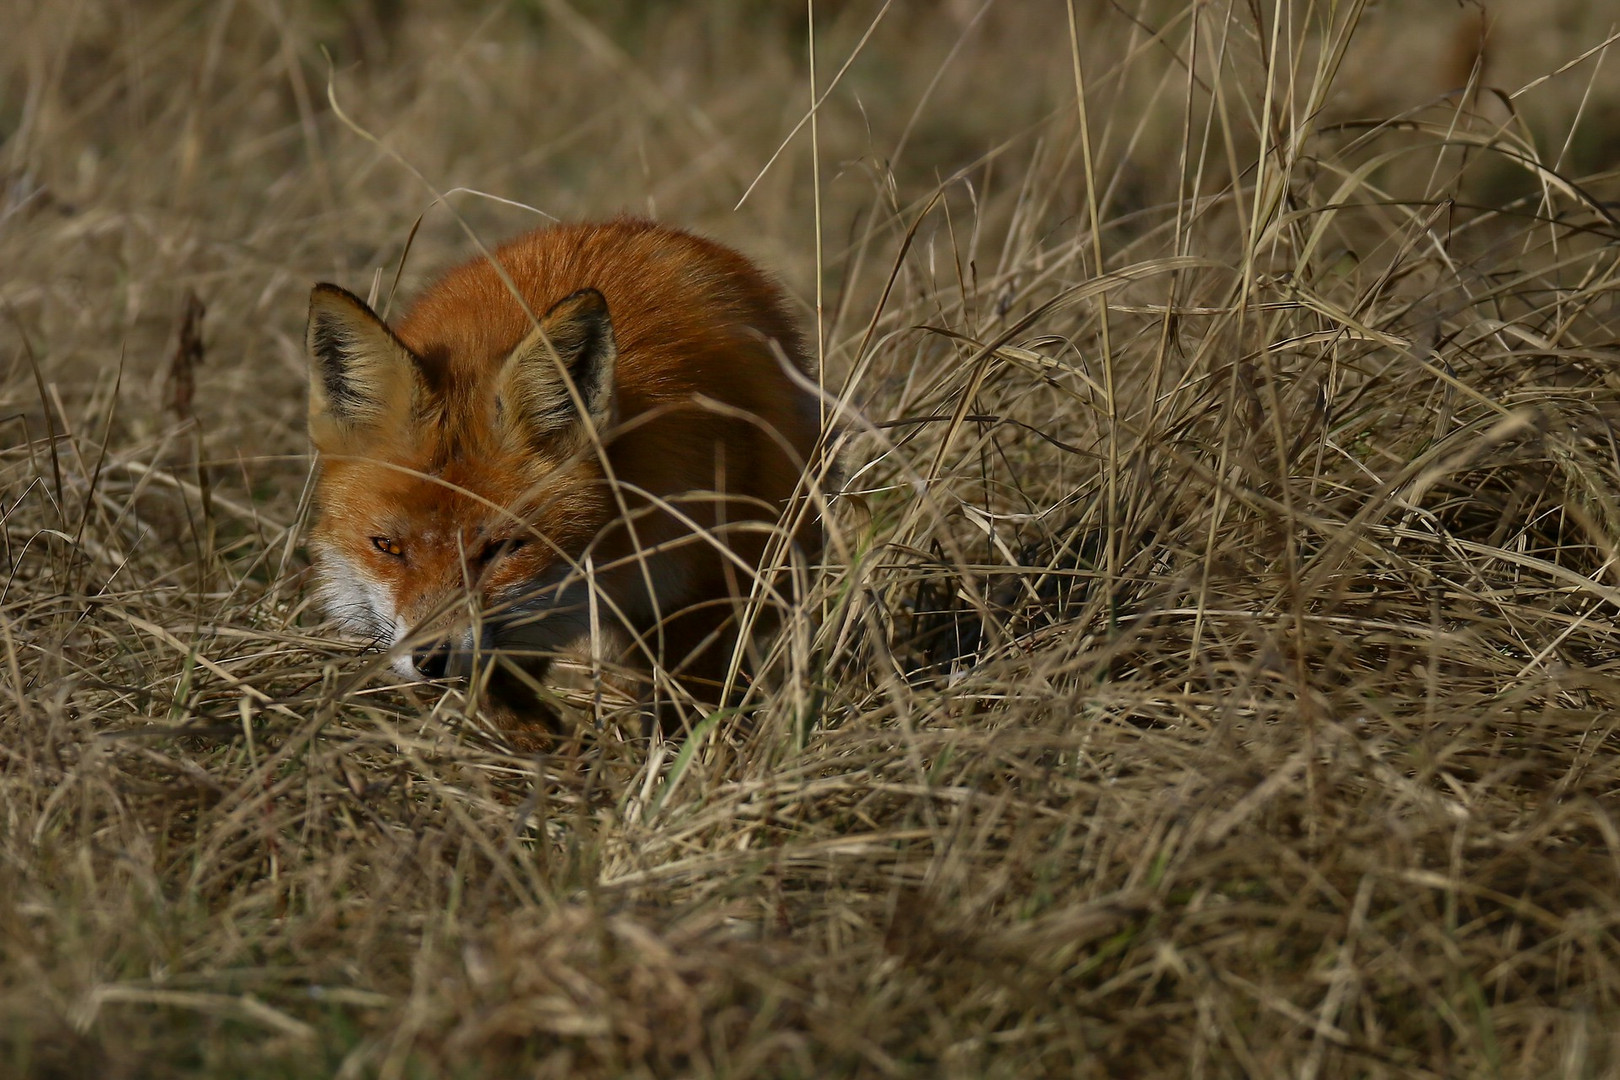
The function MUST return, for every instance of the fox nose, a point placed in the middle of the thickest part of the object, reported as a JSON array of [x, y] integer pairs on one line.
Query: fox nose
[[432, 660]]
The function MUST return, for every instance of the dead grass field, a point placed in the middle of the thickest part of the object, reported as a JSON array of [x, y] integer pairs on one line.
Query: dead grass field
[[1215, 671]]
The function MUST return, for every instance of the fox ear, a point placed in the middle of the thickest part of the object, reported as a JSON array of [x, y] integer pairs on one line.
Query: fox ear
[[566, 362], [361, 376]]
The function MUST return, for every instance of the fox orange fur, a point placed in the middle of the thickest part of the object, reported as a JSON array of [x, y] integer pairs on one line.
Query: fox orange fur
[[601, 407]]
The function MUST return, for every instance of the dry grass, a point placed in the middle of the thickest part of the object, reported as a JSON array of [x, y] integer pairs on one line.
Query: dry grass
[[1216, 672]]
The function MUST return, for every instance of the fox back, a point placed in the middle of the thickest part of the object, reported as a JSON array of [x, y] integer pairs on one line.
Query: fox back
[[605, 418]]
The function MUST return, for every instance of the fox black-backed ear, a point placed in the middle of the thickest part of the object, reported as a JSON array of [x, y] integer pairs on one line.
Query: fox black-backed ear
[[361, 376], [569, 357]]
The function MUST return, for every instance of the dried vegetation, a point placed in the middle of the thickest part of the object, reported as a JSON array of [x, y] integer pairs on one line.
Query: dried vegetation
[[1215, 673]]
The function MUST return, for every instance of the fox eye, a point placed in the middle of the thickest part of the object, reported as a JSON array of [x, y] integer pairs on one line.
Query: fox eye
[[387, 546], [497, 548]]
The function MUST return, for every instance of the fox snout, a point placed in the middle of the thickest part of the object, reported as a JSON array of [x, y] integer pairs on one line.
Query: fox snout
[[450, 655], [432, 661], [501, 670]]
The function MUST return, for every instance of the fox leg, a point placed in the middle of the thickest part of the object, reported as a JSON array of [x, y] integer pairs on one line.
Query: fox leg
[[696, 650]]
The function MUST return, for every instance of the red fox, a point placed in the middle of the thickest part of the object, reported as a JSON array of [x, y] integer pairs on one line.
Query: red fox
[[596, 417]]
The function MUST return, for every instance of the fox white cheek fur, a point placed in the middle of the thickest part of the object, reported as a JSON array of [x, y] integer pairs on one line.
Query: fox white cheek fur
[[402, 664], [363, 606]]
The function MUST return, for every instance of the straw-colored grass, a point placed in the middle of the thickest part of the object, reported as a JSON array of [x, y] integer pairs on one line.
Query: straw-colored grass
[[1214, 672]]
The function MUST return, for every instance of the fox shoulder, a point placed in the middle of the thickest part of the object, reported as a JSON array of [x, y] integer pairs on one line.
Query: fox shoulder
[[671, 296]]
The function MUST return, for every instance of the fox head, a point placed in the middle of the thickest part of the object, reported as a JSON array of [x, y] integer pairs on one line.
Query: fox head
[[458, 492]]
